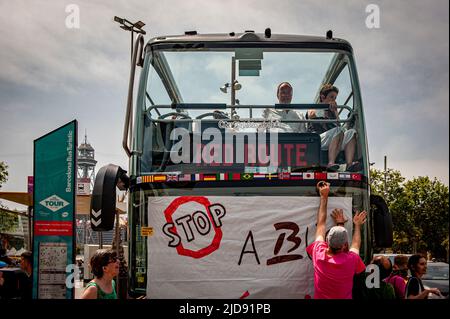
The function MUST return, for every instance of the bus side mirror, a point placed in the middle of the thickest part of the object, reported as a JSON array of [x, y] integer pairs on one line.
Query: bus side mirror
[[382, 222], [103, 200]]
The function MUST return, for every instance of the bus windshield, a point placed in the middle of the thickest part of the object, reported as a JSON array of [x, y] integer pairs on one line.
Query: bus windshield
[[189, 91], [204, 76]]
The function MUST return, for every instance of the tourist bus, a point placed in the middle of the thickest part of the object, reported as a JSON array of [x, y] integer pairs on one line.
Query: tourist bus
[[222, 197]]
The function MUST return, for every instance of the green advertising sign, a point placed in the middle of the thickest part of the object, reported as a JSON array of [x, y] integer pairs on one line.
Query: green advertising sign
[[54, 212]]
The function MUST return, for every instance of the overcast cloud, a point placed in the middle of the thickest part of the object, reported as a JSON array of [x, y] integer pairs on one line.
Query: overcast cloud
[[50, 75]]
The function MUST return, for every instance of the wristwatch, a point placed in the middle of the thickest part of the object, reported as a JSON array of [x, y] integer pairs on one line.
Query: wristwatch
[[340, 224]]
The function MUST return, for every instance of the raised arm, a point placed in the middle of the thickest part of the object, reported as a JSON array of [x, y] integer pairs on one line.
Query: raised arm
[[358, 220], [338, 216], [324, 189], [333, 109]]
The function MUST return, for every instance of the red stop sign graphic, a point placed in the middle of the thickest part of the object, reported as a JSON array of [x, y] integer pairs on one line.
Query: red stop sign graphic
[[215, 244]]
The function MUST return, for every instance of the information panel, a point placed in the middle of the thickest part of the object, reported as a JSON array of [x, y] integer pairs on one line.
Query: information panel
[[54, 212]]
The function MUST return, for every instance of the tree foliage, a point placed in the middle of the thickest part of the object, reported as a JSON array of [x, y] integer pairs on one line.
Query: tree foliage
[[9, 223], [427, 204], [3, 173], [394, 182], [420, 211]]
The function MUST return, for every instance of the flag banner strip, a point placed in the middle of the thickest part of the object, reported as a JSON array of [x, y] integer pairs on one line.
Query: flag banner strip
[[215, 177]]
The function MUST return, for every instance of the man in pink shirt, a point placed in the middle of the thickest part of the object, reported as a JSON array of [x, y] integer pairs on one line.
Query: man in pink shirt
[[334, 263]]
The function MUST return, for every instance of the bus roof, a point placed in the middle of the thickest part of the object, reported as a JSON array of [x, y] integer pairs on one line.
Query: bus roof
[[304, 41]]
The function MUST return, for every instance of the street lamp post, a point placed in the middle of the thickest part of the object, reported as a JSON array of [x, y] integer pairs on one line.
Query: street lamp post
[[385, 176], [132, 27], [234, 85], [129, 26]]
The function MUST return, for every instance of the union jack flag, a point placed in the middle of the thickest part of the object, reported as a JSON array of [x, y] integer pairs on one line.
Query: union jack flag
[[172, 178]]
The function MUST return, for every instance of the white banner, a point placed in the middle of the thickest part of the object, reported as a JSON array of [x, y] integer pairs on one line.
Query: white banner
[[234, 247]]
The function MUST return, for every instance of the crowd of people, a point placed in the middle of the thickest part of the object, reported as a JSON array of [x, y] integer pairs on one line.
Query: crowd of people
[[15, 282], [339, 272]]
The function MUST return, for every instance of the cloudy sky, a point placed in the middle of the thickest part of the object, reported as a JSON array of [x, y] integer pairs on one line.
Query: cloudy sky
[[50, 74]]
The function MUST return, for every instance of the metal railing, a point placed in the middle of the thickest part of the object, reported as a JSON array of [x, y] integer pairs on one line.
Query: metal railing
[[220, 116]]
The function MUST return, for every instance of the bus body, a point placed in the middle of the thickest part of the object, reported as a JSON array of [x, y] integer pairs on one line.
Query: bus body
[[222, 195]]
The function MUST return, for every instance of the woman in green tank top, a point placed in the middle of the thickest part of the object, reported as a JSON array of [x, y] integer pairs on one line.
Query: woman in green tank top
[[105, 266]]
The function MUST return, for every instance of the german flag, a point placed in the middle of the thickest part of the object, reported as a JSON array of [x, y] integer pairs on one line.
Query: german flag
[[209, 177]]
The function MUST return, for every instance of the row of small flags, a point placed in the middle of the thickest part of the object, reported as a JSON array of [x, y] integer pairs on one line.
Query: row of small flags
[[174, 177]]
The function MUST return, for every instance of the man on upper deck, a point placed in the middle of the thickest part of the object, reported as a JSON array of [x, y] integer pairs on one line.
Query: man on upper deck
[[284, 95]]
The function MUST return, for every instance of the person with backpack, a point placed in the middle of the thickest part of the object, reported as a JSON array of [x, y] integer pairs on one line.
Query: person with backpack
[[399, 276], [417, 265], [370, 286]]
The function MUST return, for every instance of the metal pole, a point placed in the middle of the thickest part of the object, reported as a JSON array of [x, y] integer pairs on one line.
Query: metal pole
[[117, 248], [233, 79], [100, 240], [85, 232], [30, 228], [132, 40], [385, 173]]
